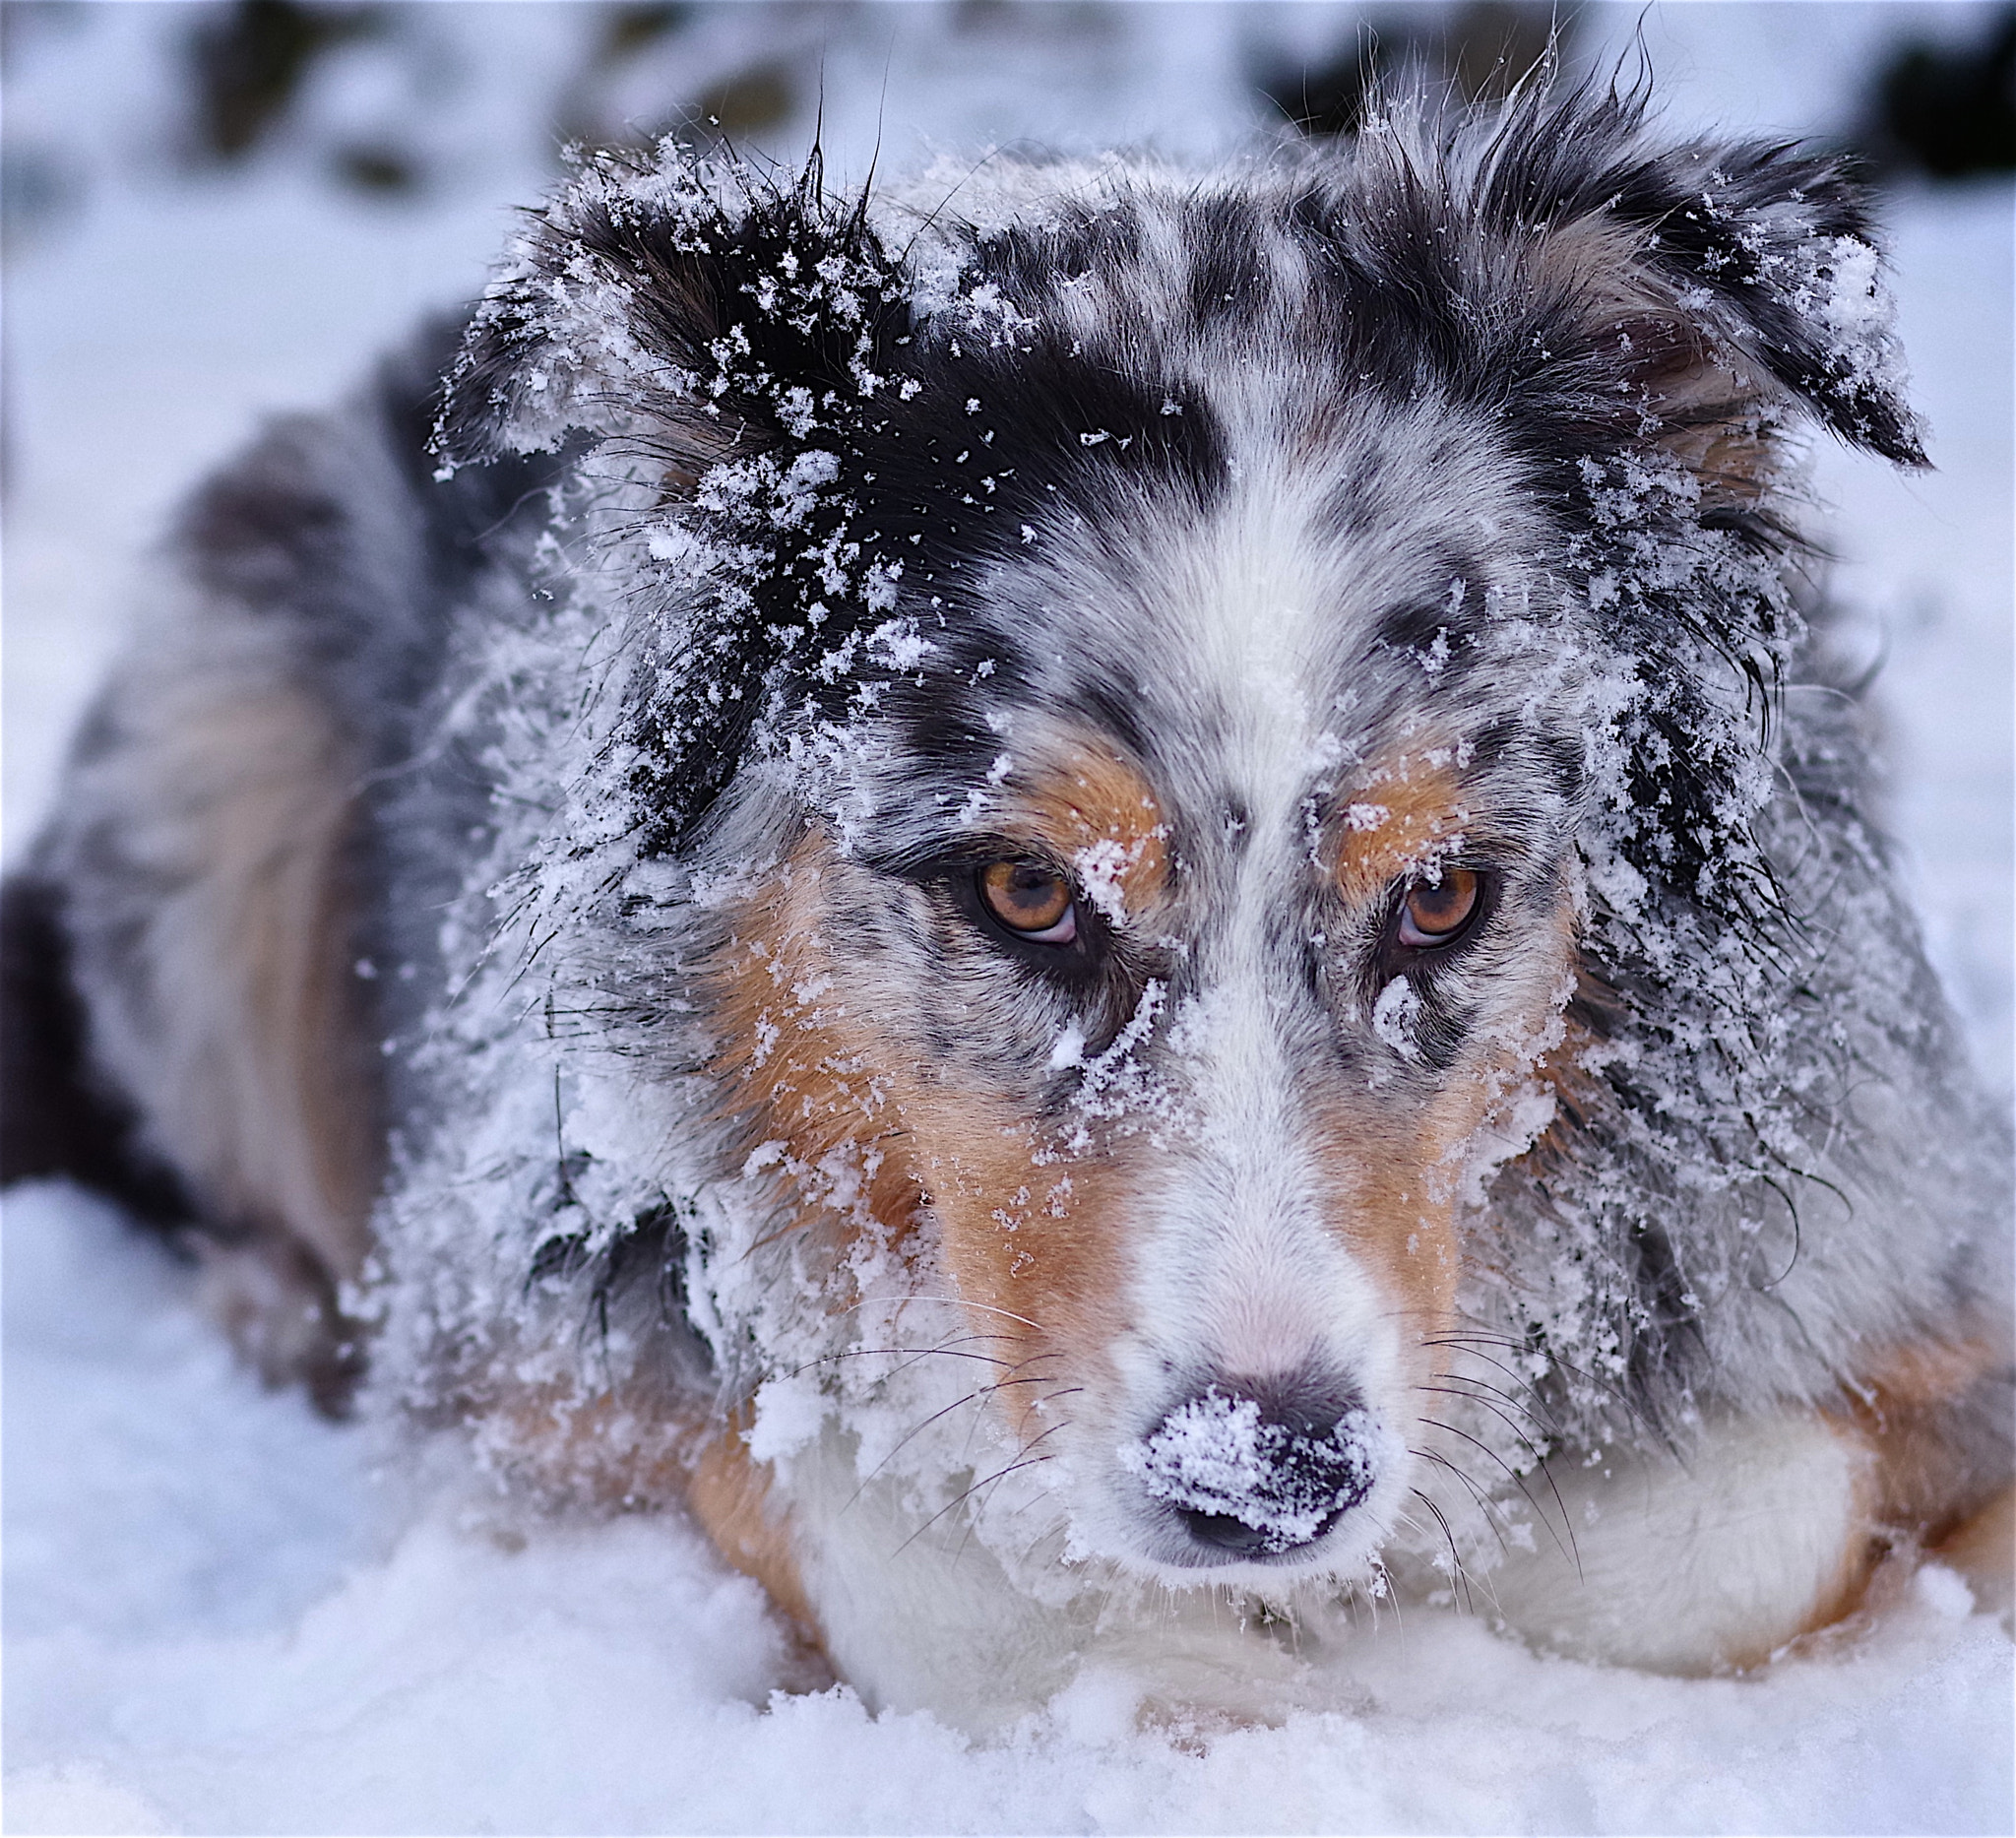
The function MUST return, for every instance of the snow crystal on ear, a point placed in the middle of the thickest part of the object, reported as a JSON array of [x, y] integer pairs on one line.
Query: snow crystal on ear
[[1836, 283]]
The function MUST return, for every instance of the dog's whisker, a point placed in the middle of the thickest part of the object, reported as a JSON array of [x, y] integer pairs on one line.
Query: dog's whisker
[[1537, 1412], [1459, 1574], [1492, 1510], [965, 1494], [1541, 1408], [971, 1397], [965, 1536], [1540, 1461], [1566, 1531], [1499, 1407], [914, 1431], [1615, 1392], [885, 1352]]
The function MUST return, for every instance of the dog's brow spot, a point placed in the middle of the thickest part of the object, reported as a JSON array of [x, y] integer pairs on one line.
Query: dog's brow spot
[[1099, 812], [1408, 808]]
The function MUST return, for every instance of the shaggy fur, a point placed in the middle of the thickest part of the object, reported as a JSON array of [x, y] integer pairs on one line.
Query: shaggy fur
[[1482, 1127]]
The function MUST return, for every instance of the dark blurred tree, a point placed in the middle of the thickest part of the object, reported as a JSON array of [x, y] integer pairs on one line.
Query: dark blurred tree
[[749, 101], [382, 170], [1950, 113], [1483, 48], [743, 102], [627, 30], [248, 63]]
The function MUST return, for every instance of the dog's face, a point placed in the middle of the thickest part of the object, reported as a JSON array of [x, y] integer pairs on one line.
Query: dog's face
[[1203, 645], [1183, 1011]]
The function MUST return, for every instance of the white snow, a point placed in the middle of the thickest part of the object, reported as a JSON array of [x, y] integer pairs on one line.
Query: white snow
[[224, 1614]]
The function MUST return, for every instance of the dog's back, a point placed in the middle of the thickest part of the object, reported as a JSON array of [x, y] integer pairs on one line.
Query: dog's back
[[252, 820]]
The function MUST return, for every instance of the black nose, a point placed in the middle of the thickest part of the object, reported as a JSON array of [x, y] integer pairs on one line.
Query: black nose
[[1230, 1534], [1259, 1472]]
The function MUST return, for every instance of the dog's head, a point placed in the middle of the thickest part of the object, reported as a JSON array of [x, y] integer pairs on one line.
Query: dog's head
[[1211, 654]]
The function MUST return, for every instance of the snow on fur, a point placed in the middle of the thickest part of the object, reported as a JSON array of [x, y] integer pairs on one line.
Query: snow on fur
[[763, 628], [1217, 1455], [572, 1155]]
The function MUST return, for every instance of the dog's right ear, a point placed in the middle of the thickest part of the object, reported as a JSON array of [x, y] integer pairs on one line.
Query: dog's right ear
[[1717, 285], [693, 309], [1773, 255], [1749, 270]]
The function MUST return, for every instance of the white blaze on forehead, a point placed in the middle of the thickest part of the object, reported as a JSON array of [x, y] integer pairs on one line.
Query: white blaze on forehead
[[1253, 616], [1315, 540], [1328, 524], [1240, 1267], [1236, 1269]]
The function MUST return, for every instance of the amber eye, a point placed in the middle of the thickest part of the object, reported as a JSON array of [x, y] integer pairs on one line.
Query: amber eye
[[1031, 901], [1434, 914]]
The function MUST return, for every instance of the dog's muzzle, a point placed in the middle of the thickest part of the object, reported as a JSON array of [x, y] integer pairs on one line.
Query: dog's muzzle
[[1258, 1473]]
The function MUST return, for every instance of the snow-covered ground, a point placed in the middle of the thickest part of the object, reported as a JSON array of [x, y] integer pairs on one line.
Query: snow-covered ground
[[224, 1615]]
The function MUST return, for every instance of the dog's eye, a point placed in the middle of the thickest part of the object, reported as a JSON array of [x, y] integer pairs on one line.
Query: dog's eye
[[1436, 914], [1032, 902]]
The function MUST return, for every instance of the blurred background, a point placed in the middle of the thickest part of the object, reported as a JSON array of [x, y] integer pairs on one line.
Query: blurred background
[[217, 210]]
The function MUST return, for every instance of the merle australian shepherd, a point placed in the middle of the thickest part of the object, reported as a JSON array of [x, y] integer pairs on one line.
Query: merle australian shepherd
[[1126, 909]]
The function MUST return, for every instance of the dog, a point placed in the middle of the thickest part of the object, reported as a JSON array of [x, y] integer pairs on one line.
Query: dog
[[1133, 911]]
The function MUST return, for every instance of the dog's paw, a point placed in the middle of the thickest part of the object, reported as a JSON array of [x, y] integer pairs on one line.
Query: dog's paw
[[280, 1309]]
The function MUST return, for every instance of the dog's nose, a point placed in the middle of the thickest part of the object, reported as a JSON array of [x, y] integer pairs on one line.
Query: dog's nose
[[1230, 1534], [1259, 1471]]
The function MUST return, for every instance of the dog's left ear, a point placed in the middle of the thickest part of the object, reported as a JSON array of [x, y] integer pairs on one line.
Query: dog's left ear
[[698, 311], [1720, 282]]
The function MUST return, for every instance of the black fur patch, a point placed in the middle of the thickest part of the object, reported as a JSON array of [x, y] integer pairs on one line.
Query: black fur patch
[[57, 1118]]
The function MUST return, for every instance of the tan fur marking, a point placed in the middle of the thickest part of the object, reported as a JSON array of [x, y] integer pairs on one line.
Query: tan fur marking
[[1020, 1220], [1397, 1204], [1927, 1483], [1024, 1233], [1406, 810], [1394, 1204], [807, 1068], [619, 1449], [621, 1452], [236, 1021], [1716, 415], [817, 1075], [1392, 1212], [1093, 803], [1921, 1486], [1925, 1372], [265, 1095], [1982, 1549], [1862, 1544], [729, 1493]]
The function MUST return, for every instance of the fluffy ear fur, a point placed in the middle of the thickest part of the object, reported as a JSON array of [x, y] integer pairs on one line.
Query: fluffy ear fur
[[739, 337], [1719, 281], [1773, 255], [695, 309]]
